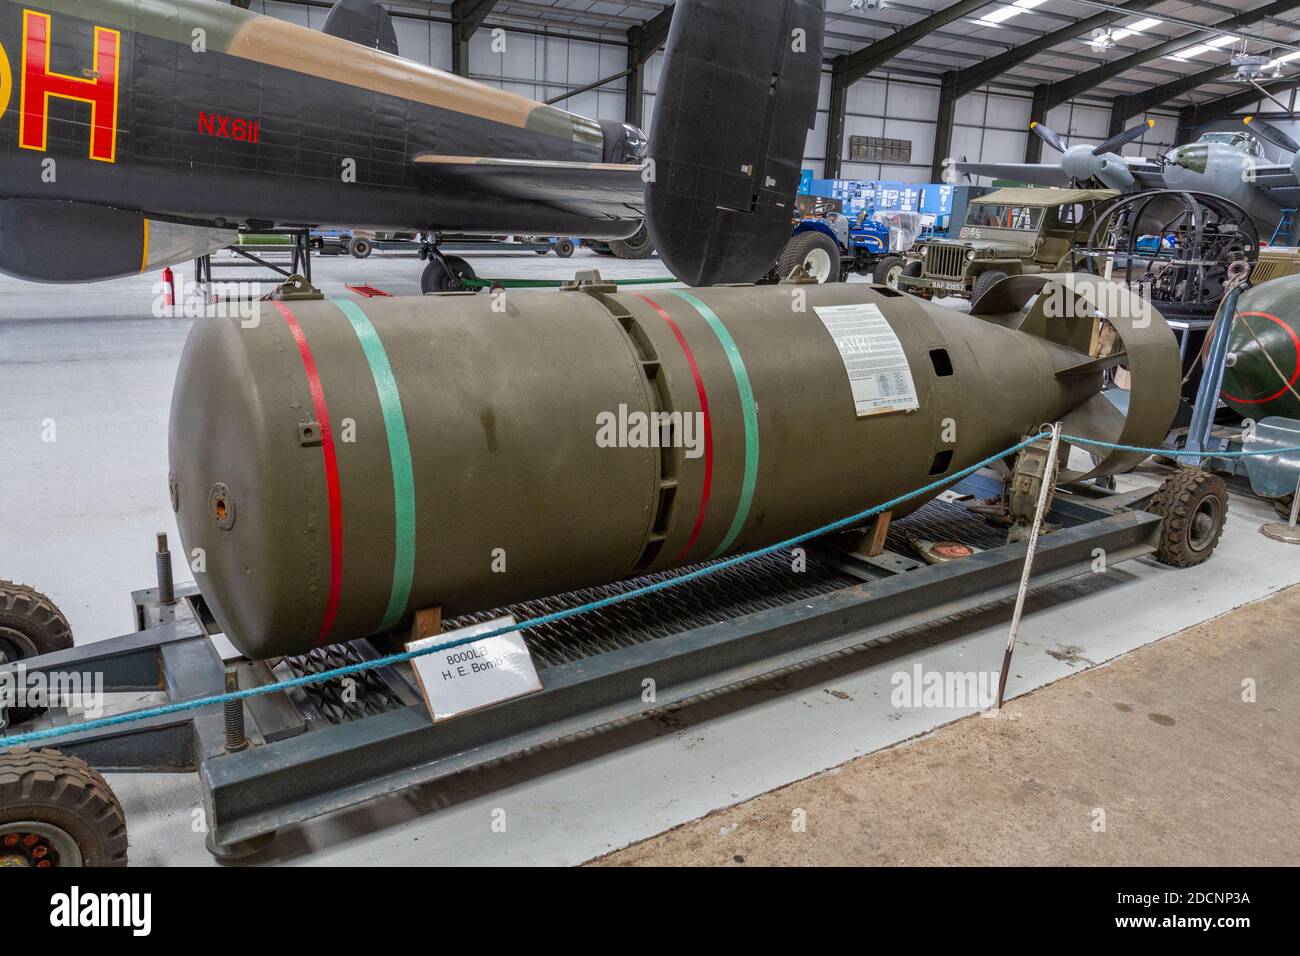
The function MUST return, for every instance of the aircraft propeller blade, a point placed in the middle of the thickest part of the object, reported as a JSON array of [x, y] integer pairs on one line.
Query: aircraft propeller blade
[[1048, 137], [1120, 140], [1271, 134]]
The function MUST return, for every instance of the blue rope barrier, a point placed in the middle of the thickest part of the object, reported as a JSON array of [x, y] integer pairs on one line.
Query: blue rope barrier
[[165, 710]]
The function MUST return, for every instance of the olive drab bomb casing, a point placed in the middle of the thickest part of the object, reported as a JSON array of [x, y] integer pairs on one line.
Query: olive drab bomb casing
[[343, 465]]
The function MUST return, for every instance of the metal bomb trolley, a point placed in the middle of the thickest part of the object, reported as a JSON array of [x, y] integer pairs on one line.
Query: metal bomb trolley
[[280, 759]]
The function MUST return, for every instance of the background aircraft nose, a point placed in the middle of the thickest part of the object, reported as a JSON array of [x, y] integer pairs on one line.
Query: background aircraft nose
[[1193, 156]]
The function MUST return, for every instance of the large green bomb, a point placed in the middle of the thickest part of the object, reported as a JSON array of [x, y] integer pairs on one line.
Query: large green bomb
[[343, 465], [1264, 352]]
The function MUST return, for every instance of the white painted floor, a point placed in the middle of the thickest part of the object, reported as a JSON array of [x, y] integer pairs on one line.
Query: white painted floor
[[77, 517]]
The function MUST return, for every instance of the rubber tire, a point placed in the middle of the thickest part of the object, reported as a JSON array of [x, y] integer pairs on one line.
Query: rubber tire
[[564, 248], [881, 272], [64, 791], [796, 252], [985, 281], [360, 248], [639, 246], [436, 279], [1178, 500], [42, 627]]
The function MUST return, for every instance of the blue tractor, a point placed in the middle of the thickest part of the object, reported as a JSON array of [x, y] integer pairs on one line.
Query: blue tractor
[[832, 245]]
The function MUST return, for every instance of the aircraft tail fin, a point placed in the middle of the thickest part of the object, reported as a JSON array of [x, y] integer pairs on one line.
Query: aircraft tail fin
[[362, 21], [737, 95]]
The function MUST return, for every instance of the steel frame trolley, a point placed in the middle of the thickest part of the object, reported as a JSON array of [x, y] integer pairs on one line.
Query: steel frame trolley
[[286, 757]]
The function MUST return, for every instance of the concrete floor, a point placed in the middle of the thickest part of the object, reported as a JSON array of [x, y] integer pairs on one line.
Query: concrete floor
[[77, 517], [1152, 760]]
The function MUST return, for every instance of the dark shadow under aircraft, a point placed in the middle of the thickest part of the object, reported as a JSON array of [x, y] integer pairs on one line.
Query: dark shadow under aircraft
[[140, 133]]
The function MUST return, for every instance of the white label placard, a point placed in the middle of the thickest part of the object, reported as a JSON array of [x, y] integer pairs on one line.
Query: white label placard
[[462, 679], [878, 371]]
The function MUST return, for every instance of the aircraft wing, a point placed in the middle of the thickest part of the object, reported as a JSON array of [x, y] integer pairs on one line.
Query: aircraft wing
[[592, 190], [1039, 174], [1288, 197], [1148, 175], [1275, 176]]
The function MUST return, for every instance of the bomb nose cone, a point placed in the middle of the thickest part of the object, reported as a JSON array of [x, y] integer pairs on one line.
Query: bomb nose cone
[[1263, 373]]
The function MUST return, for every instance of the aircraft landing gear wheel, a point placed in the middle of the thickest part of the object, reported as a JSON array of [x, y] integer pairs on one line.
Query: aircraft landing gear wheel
[[450, 278], [564, 248], [816, 252], [30, 625], [55, 811], [1194, 505], [639, 246], [360, 248]]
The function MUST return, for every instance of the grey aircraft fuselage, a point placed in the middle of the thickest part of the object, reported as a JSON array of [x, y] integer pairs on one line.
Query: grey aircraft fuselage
[[1229, 164]]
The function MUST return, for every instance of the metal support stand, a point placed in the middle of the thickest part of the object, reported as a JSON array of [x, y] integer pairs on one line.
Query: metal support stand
[[300, 265], [1044, 496], [1207, 394], [1287, 533]]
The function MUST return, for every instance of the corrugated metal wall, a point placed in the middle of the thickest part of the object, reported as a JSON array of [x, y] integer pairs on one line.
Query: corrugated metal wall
[[990, 126]]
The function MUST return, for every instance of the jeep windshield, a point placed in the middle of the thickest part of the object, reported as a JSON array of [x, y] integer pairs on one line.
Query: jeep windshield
[[1017, 218]]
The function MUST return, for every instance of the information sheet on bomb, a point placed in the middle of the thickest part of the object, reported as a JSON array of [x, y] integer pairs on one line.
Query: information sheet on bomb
[[873, 357]]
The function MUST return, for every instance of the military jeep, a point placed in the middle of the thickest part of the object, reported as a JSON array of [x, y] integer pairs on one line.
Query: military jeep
[[1007, 232]]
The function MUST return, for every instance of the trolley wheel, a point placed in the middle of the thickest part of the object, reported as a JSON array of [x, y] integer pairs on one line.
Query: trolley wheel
[[56, 811], [564, 248], [1283, 506], [437, 279], [1194, 505], [30, 625], [360, 248]]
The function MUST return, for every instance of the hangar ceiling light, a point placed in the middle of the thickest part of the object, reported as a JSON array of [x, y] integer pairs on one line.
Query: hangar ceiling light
[[1002, 14], [1202, 48], [1133, 29], [1277, 64]]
